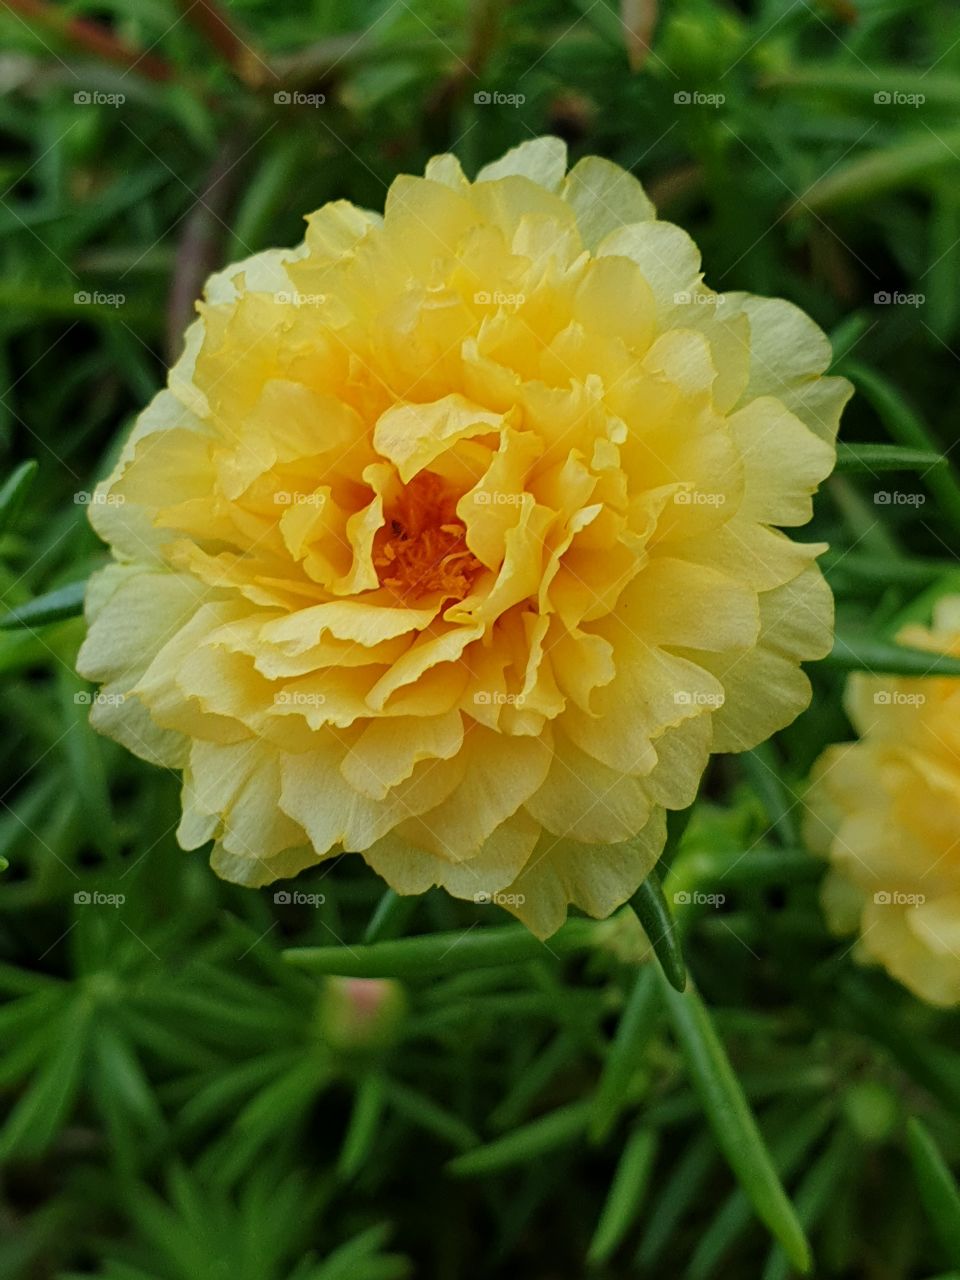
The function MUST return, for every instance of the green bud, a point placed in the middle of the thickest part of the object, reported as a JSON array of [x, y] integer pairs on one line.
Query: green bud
[[871, 1109], [359, 1014], [700, 46]]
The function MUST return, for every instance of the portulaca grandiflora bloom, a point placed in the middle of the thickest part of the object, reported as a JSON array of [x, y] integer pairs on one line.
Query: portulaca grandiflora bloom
[[455, 540], [886, 811]]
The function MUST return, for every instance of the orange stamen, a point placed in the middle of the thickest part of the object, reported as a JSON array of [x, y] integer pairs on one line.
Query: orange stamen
[[423, 548]]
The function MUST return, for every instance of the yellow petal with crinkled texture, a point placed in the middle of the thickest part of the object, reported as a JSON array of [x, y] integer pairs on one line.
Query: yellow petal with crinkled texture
[[409, 868], [387, 751], [456, 540]]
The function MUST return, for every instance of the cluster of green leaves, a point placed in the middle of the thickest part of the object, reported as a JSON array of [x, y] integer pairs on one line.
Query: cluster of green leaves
[[187, 1086]]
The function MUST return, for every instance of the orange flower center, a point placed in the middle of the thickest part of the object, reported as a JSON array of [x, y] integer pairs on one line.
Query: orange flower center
[[423, 546]]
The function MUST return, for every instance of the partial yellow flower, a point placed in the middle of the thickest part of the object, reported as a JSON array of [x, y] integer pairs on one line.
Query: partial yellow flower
[[454, 540], [886, 811]]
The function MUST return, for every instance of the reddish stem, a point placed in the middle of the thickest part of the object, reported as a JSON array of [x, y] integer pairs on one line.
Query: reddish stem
[[92, 37], [237, 51]]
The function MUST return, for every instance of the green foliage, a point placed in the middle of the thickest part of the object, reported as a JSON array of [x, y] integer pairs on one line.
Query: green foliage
[[187, 1090]]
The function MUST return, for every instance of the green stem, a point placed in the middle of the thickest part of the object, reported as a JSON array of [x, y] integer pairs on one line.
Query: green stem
[[473, 948], [654, 914]]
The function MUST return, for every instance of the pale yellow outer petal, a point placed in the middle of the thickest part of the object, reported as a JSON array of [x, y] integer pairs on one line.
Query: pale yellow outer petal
[[789, 355], [131, 611], [542, 160], [667, 256], [899, 941], [605, 198], [765, 688], [231, 792]]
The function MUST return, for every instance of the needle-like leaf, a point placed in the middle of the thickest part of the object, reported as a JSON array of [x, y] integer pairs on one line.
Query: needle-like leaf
[[732, 1121], [938, 1190]]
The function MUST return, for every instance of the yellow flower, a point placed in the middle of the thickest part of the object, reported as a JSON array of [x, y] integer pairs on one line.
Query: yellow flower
[[886, 811], [453, 541]]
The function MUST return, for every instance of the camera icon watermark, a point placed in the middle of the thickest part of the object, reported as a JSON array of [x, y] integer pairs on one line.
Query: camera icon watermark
[[684, 298], [895, 98], [497, 698], [897, 698], [497, 298], [291, 298], [884, 298], [94, 98], [494, 98], [897, 498], [84, 498], [694, 898], [86, 298], [296, 98], [497, 498], [282, 498], [699, 498], [695, 98], [298, 698], [83, 698], [483, 898], [697, 698], [297, 898], [94, 898]]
